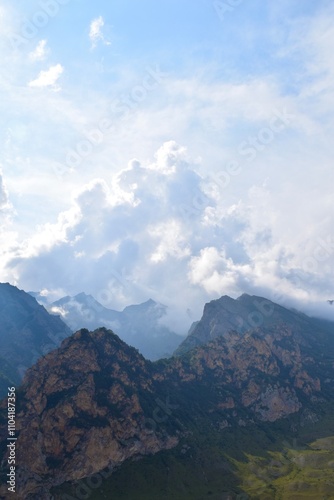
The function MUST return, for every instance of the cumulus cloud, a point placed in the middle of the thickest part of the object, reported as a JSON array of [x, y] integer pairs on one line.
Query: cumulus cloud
[[169, 157], [170, 227], [6, 209], [40, 52], [8, 237], [171, 241], [153, 231], [48, 78], [183, 232], [3, 194], [96, 32], [118, 240]]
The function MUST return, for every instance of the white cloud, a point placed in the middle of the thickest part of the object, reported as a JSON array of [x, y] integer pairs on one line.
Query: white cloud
[[48, 78], [124, 231], [3, 194], [40, 52], [6, 20], [147, 234], [8, 237], [172, 241], [6, 212], [96, 32], [166, 227], [168, 158]]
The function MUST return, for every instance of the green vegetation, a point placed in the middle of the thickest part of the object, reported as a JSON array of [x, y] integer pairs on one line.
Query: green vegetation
[[292, 474], [258, 462]]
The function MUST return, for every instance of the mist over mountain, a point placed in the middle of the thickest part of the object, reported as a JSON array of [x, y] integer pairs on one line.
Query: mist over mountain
[[140, 326]]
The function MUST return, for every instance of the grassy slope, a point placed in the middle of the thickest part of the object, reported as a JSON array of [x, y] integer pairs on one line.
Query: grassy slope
[[262, 463], [293, 474]]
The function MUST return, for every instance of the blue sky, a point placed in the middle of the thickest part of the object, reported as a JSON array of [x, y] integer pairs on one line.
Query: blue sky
[[175, 150]]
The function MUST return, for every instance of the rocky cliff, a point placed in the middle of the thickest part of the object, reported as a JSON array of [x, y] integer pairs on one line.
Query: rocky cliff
[[82, 408], [96, 402]]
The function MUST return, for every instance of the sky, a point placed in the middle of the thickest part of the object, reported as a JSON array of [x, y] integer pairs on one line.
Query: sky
[[172, 150]]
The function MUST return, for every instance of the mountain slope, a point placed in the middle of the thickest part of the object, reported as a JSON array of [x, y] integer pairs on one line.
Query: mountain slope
[[245, 313], [138, 325], [83, 407], [95, 402], [27, 332]]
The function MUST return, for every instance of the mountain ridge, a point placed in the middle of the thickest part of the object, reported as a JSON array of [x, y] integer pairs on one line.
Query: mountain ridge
[[242, 314], [101, 389], [27, 332], [140, 325], [96, 402]]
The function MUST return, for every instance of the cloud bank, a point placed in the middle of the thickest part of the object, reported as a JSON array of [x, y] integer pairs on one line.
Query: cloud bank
[[239, 201], [155, 231]]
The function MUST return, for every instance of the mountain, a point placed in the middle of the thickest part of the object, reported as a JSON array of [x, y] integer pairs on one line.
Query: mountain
[[40, 297], [83, 311], [200, 423], [138, 325], [81, 407], [242, 314], [27, 332]]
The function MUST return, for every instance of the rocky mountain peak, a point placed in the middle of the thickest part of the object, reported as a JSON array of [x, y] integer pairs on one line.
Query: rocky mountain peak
[[96, 402], [91, 403], [139, 324], [93, 392], [244, 314]]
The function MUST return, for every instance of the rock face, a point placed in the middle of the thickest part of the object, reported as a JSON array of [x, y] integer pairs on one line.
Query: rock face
[[243, 314], [267, 371], [138, 325], [95, 401], [27, 332], [83, 408]]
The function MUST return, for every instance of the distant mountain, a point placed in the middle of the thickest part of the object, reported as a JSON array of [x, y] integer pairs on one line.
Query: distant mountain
[[138, 325], [41, 299], [27, 332], [96, 403], [243, 314], [83, 311]]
